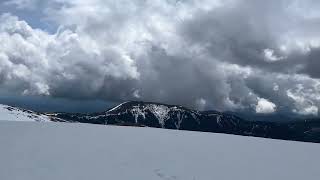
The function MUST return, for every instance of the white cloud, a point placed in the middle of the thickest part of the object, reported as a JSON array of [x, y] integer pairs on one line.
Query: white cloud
[[264, 106], [39, 61], [304, 100], [180, 52], [270, 56], [309, 110]]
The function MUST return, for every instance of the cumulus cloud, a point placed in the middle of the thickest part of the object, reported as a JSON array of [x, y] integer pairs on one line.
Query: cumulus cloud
[[226, 55], [303, 100], [265, 107]]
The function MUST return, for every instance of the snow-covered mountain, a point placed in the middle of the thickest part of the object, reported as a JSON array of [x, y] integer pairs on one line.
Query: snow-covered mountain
[[177, 117], [10, 113], [154, 115], [58, 151]]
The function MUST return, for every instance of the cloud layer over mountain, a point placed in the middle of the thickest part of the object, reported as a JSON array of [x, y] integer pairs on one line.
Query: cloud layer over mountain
[[260, 56]]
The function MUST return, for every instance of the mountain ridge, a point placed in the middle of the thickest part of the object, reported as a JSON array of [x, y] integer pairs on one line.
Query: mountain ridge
[[158, 115]]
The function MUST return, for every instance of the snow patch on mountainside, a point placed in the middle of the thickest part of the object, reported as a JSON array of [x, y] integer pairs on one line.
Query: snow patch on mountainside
[[9, 113], [117, 107], [160, 111], [137, 111]]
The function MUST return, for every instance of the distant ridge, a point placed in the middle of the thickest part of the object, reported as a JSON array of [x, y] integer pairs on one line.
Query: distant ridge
[[157, 115]]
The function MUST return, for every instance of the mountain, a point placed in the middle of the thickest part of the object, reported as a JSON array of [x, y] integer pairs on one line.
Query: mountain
[[158, 115], [9, 113], [165, 116]]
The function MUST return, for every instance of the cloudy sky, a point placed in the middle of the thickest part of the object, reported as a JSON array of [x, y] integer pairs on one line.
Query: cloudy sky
[[228, 55]]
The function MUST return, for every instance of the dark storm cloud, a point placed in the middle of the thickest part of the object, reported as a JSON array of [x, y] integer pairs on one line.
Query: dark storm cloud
[[228, 55], [312, 63], [242, 33]]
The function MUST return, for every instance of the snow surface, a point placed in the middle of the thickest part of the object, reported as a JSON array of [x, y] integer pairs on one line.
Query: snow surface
[[17, 114], [58, 151]]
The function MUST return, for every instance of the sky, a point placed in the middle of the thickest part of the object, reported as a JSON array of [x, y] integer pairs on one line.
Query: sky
[[228, 55]]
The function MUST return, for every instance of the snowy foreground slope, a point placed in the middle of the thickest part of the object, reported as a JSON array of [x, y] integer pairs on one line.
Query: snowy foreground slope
[[57, 151]]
